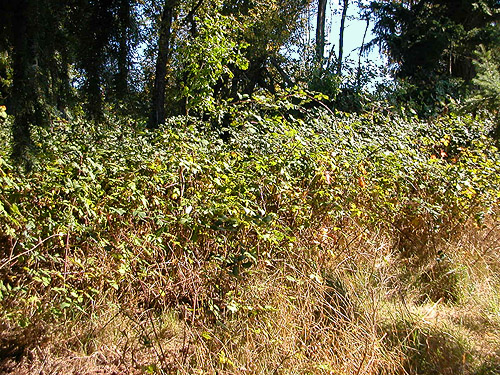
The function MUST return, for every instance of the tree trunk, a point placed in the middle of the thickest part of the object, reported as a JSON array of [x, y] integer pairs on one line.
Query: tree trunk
[[123, 50], [63, 88], [361, 50], [341, 37], [95, 37], [23, 100], [158, 110], [320, 31], [93, 87]]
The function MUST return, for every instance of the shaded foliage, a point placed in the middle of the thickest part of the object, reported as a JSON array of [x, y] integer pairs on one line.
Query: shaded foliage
[[431, 43]]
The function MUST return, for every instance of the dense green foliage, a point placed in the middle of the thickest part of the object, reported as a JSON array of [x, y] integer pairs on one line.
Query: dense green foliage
[[431, 44], [487, 81], [182, 189]]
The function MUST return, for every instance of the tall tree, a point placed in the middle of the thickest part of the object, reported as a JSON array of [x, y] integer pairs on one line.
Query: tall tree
[[22, 102], [157, 116], [431, 43], [124, 25], [35, 44], [341, 36], [266, 27], [58, 53], [320, 31], [94, 29], [27, 99], [366, 18], [434, 38]]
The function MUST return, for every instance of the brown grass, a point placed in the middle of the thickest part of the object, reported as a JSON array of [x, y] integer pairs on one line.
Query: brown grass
[[338, 302]]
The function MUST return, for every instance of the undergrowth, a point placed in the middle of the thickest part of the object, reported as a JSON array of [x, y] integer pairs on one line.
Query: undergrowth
[[292, 241]]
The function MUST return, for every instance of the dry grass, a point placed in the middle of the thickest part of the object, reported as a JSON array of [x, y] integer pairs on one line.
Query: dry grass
[[332, 302]]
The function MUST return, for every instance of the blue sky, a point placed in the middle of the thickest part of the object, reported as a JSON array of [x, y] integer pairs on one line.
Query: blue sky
[[353, 35]]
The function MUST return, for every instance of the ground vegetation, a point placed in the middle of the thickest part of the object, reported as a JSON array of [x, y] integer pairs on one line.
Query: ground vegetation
[[182, 193]]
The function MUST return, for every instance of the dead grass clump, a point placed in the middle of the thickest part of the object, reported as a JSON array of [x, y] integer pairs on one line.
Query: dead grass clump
[[441, 280], [427, 349]]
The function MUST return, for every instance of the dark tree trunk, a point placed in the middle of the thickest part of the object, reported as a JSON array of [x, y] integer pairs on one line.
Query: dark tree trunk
[[40, 63], [190, 18], [158, 100], [63, 88], [193, 31], [95, 38], [361, 50], [23, 100], [55, 52], [123, 51], [254, 75], [93, 89], [320, 31], [281, 72], [341, 37]]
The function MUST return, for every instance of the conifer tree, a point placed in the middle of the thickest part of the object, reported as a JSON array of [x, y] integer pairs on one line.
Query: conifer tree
[[486, 93]]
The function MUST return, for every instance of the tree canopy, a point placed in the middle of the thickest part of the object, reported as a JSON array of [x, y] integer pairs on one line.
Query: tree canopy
[[157, 59]]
